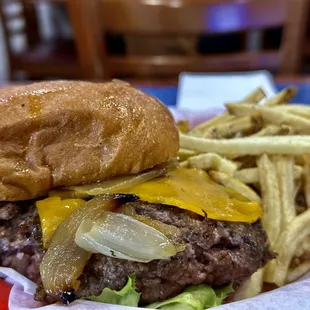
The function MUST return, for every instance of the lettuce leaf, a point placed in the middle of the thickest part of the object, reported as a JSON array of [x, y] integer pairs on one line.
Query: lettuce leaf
[[198, 297], [127, 296]]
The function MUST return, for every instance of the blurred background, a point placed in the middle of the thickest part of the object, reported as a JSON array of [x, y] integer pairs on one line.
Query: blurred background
[[151, 39]]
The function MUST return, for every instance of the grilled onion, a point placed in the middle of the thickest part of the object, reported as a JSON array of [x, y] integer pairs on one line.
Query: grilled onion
[[170, 231], [64, 261], [115, 185], [121, 236]]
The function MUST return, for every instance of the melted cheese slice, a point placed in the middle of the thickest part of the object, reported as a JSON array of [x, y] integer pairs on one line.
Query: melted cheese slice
[[189, 189], [193, 190], [52, 212]]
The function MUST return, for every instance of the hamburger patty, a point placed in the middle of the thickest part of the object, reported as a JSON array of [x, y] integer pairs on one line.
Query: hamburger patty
[[217, 253]]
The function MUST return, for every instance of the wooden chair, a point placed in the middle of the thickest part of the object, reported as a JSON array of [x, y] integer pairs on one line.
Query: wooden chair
[[197, 17], [39, 59]]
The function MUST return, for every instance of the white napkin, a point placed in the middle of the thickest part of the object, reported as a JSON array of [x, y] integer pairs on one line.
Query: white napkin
[[200, 91]]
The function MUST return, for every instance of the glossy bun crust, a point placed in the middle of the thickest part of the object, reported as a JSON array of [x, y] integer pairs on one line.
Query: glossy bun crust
[[67, 133]]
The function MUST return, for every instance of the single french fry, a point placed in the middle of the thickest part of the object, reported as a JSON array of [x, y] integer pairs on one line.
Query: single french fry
[[270, 197], [294, 274], [272, 116], [273, 130], [253, 287], [183, 154], [269, 130], [234, 184], [212, 161], [286, 245], [247, 176], [243, 125], [284, 96], [301, 110], [256, 96], [306, 177], [250, 175], [303, 248], [202, 128], [249, 145], [285, 172]]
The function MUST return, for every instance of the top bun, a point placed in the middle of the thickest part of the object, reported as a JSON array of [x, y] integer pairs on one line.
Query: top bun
[[68, 133]]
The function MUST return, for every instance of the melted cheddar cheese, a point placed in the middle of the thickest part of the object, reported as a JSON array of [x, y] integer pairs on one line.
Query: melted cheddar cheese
[[193, 190], [189, 189], [52, 212]]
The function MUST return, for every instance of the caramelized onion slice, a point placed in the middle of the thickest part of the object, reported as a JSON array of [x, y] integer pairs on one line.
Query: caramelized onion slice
[[121, 236], [170, 231], [64, 261], [115, 185]]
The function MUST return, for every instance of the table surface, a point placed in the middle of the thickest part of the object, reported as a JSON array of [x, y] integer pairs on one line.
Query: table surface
[[167, 91]]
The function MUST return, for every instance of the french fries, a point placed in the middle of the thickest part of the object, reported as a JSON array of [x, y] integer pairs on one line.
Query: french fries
[[262, 151], [286, 246], [271, 198], [300, 110], [241, 126], [253, 286], [285, 172], [295, 273], [256, 96], [183, 154], [250, 175], [274, 130], [201, 130], [271, 116], [283, 97], [286, 145], [234, 184], [212, 161]]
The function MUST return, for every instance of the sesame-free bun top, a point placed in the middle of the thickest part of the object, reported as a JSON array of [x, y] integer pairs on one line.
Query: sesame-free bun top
[[68, 133]]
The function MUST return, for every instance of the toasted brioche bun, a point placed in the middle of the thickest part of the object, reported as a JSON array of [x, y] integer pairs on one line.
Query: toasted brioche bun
[[67, 133]]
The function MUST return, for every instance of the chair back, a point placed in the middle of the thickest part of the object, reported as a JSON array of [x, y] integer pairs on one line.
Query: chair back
[[193, 18], [190, 17]]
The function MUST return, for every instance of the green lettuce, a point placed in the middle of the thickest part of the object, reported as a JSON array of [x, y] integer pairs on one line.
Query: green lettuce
[[127, 296], [198, 297]]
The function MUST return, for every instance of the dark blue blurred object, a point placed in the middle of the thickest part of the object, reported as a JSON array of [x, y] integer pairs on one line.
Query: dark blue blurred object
[[168, 94], [303, 94]]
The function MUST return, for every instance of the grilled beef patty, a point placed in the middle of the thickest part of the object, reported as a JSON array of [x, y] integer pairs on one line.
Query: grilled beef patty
[[217, 253]]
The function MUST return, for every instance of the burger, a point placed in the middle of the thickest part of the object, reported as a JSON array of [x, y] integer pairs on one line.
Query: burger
[[94, 205]]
